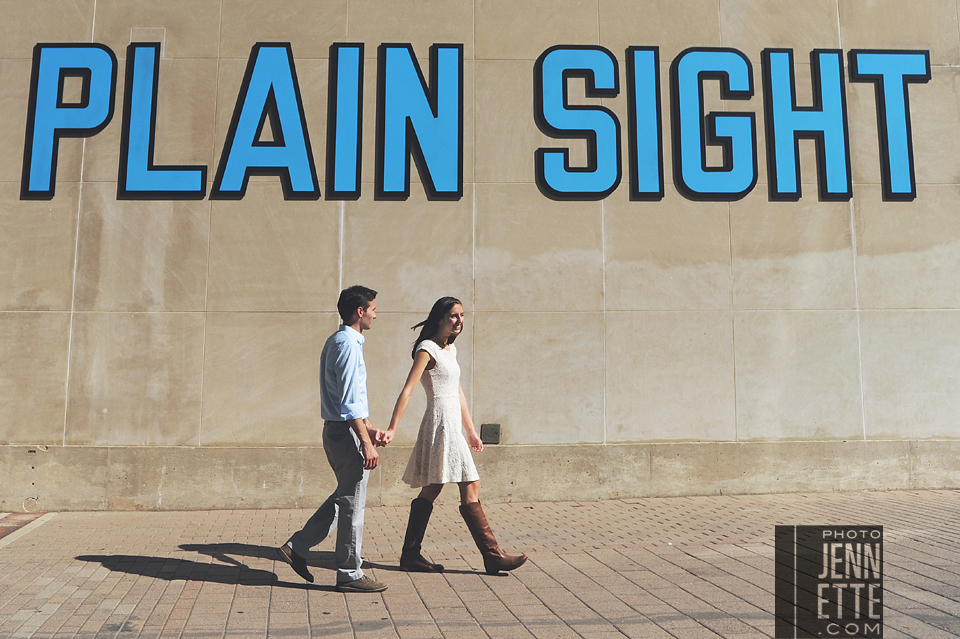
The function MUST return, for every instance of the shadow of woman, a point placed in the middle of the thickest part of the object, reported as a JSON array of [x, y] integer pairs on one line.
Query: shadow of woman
[[229, 571], [324, 559], [396, 568]]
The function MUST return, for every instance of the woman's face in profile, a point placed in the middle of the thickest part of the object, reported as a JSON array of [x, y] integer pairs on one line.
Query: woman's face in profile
[[452, 324]]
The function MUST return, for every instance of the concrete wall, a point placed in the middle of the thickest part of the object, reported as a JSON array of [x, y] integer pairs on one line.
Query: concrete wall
[[159, 354]]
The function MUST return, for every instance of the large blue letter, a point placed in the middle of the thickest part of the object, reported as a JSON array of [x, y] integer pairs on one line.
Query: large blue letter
[[644, 123], [825, 122], [269, 90], [49, 118], [139, 178], [556, 117], [736, 133], [425, 122], [344, 121], [890, 71]]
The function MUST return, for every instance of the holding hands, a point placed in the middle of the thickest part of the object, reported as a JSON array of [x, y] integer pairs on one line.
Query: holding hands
[[378, 437], [382, 437], [387, 436]]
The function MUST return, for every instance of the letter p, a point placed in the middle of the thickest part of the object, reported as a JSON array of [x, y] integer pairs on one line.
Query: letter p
[[50, 118]]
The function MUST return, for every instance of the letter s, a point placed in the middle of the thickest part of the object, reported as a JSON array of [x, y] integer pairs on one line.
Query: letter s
[[558, 119]]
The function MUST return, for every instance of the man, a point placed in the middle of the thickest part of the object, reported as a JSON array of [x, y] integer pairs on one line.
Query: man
[[348, 440]]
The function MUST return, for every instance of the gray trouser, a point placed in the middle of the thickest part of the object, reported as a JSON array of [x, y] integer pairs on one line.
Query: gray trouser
[[343, 509]]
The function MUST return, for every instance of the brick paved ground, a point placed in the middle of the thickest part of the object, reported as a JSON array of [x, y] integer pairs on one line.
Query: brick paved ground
[[686, 567]]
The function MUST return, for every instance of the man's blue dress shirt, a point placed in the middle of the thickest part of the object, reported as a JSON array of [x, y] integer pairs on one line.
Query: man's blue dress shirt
[[343, 377]]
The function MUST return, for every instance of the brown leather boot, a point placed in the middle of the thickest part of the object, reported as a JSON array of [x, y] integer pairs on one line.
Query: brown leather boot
[[410, 558], [494, 559]]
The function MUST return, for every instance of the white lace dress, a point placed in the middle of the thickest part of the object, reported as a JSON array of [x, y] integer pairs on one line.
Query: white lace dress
[[441, 454]]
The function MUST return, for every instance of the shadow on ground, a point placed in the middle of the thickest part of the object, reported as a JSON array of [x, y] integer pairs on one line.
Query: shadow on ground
[[230, 570], [324, 560], [396, 568], [223, 552]]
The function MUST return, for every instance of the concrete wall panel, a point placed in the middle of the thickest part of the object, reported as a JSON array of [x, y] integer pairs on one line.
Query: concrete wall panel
[[187, 25], [271, 255], [540, 376], [535, 254], [27, 23], [888, 24], [908, 253], [412, 252], [678, 261], [670, 377], [260, 378], [308, 25], [37, 249], [33, 374], [753, 25], [135, 379], [910, 388], [140, 256], [797, 375], [508, 30], [624, 23], [506, 135], [790, 255]]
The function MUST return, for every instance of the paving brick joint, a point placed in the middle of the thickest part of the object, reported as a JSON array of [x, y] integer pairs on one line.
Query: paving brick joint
[[683, 567]]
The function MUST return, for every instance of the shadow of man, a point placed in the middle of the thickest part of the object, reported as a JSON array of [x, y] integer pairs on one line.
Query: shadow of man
[[229, 570], [222, 552]]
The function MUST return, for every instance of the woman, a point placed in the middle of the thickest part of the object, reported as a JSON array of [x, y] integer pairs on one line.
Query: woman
[[441, 454]]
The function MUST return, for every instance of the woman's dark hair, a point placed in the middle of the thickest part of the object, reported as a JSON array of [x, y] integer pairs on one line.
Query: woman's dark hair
[[432, 324]]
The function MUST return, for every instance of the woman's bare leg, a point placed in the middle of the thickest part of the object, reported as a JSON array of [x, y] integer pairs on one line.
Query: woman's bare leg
[[431, 492], [469, 492]]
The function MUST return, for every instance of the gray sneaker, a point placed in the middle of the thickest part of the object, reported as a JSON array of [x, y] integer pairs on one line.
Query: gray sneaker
[[363, 584]]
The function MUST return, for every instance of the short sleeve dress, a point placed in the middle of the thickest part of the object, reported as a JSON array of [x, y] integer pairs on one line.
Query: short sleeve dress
[[441, 454]]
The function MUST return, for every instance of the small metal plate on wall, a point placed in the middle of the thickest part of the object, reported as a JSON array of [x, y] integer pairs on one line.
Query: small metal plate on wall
[[490, 433]]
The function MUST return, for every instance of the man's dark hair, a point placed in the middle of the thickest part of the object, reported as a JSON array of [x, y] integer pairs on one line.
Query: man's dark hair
[[353, 298]]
